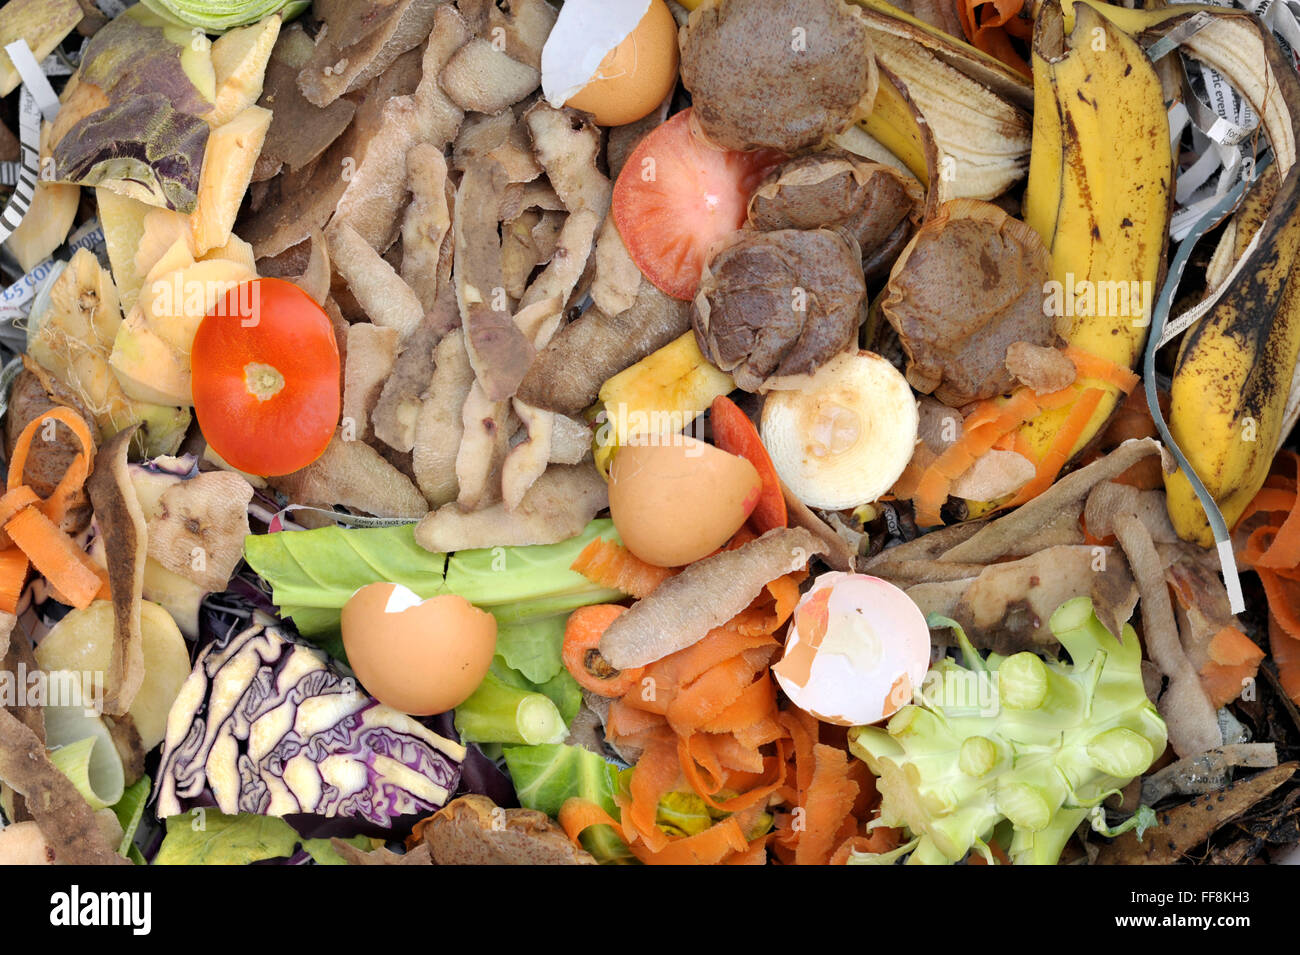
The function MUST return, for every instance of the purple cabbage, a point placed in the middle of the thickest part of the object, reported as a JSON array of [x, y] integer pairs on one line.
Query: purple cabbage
[[267, 725]]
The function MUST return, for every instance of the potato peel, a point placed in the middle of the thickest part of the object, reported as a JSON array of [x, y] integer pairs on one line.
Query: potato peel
[[122, 522]]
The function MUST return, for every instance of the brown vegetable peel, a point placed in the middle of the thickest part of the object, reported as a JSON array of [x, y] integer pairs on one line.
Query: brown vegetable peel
[[472, 830], [1187, 826], [1193, 725], [122, 522], [1000, 537], [66, 821], [706, 594]]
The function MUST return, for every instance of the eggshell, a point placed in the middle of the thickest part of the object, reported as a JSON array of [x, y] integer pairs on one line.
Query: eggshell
[[857, 648], [615, 60], [675, 499], [418, 656]]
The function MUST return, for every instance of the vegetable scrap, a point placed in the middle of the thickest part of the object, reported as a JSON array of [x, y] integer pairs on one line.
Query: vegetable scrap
[[707, 432]]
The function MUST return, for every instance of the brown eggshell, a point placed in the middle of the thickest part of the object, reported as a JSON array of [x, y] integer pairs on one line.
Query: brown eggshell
[[675, 499], [425, 659]]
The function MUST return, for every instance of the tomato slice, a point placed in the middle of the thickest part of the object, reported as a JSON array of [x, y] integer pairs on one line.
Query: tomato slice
[[734, 433], [266, 378], [677, 195]]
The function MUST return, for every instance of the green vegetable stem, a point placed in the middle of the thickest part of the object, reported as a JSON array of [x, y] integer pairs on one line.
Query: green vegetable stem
[[499, 713]]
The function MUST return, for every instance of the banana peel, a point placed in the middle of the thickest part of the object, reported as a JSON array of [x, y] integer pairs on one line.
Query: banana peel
[[1236, 389], [956, 117], [661, 394], [896, 123], [1100, 194]]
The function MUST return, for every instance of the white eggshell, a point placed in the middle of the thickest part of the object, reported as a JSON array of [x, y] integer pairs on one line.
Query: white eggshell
[[584, 33], [863, 664]]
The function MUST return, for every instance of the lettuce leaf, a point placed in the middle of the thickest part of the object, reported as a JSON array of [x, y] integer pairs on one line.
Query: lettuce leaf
[[547, 775], [211, 838], [323, 852], [521, 584], [326, 566], [129, 811], [533, 647], [528, 589]]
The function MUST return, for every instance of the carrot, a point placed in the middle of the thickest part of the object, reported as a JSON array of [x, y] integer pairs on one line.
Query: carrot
[[734, 755], [827, 802], [55, 557], [982, 429], [904, 488], [657, 773], [1268, 500], [1088, 365], [688, 665], [734, 433], [1234, 659], [710, 695], [931, 495], [750, 709], [623, 720], [581, 653], [1062, 446], [989, 26], [612, 565], [1284, 552], [10, 504], [23, 446], [700, 764], [709, 847], [758, 791], [756, 854], [1283, 600], [772, 608], [13, 575], [32, 524], [1286, 654], [577, 815], [761, 732], [879, 840], [802, 728]]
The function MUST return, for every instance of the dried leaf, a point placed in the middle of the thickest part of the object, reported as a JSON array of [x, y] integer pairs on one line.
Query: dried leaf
[[1184, 827]]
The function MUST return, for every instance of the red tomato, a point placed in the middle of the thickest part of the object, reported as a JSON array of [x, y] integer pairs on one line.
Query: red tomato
[[677, 195], [266, 378]]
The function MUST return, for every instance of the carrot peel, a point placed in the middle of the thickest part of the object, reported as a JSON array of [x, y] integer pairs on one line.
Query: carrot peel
[[32, 525]]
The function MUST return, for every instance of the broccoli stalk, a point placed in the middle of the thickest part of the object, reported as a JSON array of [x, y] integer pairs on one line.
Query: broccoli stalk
[[1037, 744]]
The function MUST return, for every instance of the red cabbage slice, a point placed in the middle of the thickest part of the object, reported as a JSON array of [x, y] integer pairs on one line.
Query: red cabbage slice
[[267, 725]]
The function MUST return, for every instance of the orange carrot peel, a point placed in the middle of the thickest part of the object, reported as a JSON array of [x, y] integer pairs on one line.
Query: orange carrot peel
[[990, 25], [996, 422], [1272, 550], [32, 525]]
